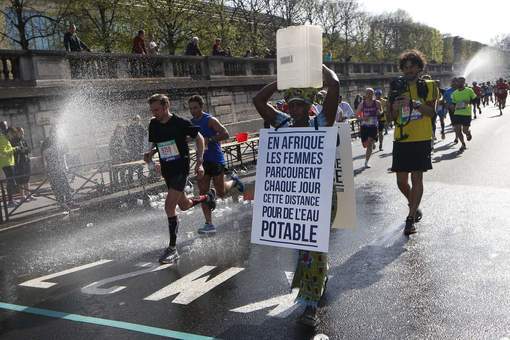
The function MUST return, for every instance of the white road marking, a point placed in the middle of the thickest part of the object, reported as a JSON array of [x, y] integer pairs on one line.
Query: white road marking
[[95, 287], [192, 286], [39, 282], [289, 276], [285, 304]]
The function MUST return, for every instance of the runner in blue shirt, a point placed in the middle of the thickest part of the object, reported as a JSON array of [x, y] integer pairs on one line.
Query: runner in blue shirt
[[214, 162]]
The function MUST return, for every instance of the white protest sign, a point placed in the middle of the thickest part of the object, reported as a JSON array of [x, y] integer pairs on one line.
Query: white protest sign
[[293, 188], [344, 181]]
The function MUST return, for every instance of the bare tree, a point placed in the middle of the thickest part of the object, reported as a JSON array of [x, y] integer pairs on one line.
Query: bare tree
[[223, 22], [501, 41], [24, 23], [288, 12], [103, 16], [349, 12], [328, 16], [253, 13], [174, 20]]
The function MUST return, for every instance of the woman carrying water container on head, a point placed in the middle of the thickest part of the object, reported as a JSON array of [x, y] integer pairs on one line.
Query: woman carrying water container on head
[[311, 273]]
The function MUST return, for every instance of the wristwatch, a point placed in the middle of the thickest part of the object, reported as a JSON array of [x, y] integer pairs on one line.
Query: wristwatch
[[416, 104]]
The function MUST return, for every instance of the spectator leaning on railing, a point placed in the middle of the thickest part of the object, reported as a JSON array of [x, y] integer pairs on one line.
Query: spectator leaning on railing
[[53, 154], [192, 47], [152, 47], [217, 49], [71, 41], [134, 141], [118, 155], [139, 43]]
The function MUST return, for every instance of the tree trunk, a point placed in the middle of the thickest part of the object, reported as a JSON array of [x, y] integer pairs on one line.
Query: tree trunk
[[170, 42], [20, 25]]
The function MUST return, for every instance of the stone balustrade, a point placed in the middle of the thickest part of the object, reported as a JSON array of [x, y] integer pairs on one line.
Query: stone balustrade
[[33, 66]]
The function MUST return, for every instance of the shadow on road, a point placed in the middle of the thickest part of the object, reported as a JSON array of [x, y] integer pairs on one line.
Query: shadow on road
[[444, 147], [359, 170], [365, 267], [447, 156], [385, 155], [358, 157]]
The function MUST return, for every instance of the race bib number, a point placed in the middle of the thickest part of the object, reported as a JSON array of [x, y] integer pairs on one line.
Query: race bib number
[[168, 151], [407, 114], [461, 105]]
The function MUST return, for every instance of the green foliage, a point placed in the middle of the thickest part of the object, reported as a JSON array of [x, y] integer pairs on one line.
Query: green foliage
[[104, 25], [110, 26]]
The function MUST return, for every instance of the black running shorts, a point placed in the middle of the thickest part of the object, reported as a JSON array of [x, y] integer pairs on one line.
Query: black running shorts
[[176, 181], [411, 156], [213, 169], [461, 120], [368, 131]]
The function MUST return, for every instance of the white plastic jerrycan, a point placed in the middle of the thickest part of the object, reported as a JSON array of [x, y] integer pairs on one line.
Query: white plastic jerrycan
[[299, 57]]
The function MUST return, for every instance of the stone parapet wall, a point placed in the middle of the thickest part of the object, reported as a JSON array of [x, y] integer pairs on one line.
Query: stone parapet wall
[[86, 95]]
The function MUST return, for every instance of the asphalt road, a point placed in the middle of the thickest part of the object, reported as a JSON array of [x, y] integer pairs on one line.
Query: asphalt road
[[450, 280]]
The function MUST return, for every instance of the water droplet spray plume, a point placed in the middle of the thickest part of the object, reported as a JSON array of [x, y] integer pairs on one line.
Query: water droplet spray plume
[[486, 64], [87, 118]]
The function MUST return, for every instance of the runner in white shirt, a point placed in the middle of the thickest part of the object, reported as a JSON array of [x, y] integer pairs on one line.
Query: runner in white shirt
[[346, 109]]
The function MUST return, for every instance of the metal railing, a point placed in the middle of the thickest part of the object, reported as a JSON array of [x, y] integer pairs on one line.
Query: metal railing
[[101, 178]]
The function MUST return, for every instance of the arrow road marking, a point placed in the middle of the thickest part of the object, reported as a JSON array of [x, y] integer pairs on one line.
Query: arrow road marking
[[283, 305], [95, 287], [39, 282], [192, 286]]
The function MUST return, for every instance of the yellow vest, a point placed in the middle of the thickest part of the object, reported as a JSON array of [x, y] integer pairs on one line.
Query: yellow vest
[[419, 127], [6, 152]]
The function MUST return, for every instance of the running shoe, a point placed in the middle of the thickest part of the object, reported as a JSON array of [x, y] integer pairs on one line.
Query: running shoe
[[419, 215], [237, 182], [469, 136], [367, 165], [208, 228], [211, 199], [170, 255], [409, 228]]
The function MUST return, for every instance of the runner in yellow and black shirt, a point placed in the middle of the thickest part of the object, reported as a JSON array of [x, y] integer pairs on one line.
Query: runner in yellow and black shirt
[[412, 106]]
